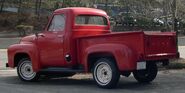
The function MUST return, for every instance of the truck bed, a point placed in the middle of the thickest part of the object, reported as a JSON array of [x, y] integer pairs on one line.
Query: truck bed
[[147, 46], [160, 45]]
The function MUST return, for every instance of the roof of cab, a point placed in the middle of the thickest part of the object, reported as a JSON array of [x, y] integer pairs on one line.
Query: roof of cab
[[82, 10]]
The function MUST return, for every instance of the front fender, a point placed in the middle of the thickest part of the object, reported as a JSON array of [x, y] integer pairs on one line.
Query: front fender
[[125, 57], [30, 49]]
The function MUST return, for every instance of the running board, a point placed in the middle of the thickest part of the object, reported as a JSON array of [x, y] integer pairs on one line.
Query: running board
[[61, 70]]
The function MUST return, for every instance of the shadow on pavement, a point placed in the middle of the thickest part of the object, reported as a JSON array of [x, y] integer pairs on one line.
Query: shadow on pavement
[[129, 84], [47, 81]]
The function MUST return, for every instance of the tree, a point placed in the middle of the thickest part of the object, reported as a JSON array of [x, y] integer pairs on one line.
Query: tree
[[19, 5], [2, 5], [38, 4]]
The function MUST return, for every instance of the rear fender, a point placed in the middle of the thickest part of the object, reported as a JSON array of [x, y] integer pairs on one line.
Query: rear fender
[[29, 49], [124, 56]]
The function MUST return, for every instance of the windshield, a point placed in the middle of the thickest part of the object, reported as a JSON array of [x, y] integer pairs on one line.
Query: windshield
[[90, 20]]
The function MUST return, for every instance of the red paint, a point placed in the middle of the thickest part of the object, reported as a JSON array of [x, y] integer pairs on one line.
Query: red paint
[[79, 41]]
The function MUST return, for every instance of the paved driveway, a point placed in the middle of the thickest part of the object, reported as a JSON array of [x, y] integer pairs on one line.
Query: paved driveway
[[166, 82]]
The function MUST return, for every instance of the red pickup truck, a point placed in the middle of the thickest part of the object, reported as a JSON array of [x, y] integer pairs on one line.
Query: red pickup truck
[[79, 40]]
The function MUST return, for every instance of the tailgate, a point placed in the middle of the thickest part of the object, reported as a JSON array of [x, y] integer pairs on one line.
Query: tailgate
[[160, 46]]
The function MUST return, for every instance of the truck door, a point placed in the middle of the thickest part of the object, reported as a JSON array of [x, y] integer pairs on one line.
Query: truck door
[[51, 42]]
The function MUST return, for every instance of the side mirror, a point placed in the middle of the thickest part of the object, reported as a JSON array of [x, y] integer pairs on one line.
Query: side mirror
[[47, 18], [43, 27], [39, 34], [36, 34], [45, 24]]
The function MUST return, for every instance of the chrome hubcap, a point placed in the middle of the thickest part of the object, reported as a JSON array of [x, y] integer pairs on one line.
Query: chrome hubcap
[[26, 71], [103, 73]]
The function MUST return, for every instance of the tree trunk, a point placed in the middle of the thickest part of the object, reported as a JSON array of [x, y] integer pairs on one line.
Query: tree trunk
[[19, 7], [2, 5], [39, 7], [106, 5], [174, 16], [36, 7]]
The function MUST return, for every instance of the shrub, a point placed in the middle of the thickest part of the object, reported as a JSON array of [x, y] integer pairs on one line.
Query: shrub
[[24, 29]]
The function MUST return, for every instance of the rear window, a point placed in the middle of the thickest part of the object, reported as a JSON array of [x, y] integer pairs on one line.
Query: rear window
[[90, 20]]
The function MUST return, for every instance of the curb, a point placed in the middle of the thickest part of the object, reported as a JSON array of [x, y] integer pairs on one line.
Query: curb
[[181, 46], [3, 49], [10, 70]]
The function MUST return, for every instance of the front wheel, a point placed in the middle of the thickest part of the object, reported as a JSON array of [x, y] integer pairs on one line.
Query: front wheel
[[147, 75], [106, 73], [25, 71]]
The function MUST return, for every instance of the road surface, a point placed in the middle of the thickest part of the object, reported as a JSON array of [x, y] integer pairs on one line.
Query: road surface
[[166, 82]]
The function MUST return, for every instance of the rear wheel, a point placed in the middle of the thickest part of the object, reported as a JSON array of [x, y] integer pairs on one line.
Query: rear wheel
[[105, 73], [147, 75], [25, 71]]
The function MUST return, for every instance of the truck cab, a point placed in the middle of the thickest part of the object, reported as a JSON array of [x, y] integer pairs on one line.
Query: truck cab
[[79, 40], [62, 31]]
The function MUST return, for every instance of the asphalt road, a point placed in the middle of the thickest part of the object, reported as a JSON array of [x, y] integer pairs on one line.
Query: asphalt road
[[5, 42], [166, 82]]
